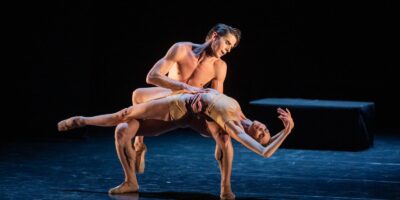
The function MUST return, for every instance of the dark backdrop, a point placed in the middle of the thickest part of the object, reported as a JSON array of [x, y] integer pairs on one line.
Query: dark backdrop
[[87, 57]]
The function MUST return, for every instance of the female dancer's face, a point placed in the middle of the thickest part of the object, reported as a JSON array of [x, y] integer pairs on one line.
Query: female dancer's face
[[259, 132]]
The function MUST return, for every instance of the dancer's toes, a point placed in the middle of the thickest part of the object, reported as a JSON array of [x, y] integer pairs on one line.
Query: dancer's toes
[[70, 123], [125, 187], [226, 196]]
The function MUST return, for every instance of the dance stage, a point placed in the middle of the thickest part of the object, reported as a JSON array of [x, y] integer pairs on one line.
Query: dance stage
[[181, 165]]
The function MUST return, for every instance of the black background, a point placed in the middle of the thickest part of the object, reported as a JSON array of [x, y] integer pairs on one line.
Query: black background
[[87, 57]]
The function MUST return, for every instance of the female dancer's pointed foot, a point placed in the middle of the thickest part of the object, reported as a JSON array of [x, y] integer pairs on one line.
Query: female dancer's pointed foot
[[70, 123], [125, 187]]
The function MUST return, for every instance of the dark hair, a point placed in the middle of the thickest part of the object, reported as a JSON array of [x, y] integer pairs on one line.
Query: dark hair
[[223, 29]]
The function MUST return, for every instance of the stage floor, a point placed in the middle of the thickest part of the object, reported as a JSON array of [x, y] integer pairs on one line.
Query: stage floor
[[181, 165]]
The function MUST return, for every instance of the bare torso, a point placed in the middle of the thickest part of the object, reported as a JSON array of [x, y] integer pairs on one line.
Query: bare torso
[[193, 69]]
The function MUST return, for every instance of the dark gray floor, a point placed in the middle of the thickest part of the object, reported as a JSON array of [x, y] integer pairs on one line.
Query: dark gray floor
[[181, 165]]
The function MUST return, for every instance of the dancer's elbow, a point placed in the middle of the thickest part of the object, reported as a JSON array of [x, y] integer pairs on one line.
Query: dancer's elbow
[[152, 78], [267, 154], [149, 79]]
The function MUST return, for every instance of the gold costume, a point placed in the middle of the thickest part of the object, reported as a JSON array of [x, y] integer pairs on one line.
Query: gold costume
[[177, 106], [222, 109], [219, 107]]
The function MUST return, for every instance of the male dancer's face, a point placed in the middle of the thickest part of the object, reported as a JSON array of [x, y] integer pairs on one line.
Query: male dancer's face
[[222, 45]]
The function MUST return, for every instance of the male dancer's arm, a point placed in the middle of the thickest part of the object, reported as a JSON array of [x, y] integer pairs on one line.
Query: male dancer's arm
[[157, 74], [220, 74]]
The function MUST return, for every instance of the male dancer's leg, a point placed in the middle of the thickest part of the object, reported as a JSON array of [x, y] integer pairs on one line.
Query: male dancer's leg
[[224, 156], [141, 95], [124, 134], [150, 128], [223, 152]]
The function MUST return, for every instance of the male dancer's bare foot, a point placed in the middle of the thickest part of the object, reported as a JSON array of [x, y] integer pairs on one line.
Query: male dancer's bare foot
[[70, 123], [125, 187], [226, 196], [140, 157], [226, 193]]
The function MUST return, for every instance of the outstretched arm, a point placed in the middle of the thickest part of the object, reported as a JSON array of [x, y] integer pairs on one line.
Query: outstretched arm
[[237, 132], [276, 140]]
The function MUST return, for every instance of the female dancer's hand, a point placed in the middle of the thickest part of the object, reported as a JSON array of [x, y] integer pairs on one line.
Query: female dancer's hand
[[286, 118]]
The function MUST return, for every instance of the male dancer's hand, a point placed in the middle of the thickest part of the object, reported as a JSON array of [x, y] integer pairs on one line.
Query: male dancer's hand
[[191, 89], [209, 90], [196, 104]]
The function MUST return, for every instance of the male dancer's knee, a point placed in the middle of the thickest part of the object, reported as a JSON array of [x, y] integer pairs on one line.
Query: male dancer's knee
[[121, 132], [226, 141], [218, 153]]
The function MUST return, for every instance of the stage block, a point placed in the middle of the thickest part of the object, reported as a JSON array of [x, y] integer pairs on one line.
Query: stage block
[[320, 124]]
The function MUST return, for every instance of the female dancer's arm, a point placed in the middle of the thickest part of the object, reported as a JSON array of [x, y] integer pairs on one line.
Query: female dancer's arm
[[237, 132]]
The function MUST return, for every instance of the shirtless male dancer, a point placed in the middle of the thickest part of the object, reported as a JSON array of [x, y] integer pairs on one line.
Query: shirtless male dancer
[[185, 66]]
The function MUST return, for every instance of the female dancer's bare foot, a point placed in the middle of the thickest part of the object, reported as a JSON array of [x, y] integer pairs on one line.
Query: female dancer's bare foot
[[70, 123], [125, 187]]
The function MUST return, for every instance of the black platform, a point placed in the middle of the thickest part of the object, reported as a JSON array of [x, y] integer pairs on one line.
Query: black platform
[[320, 124]]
